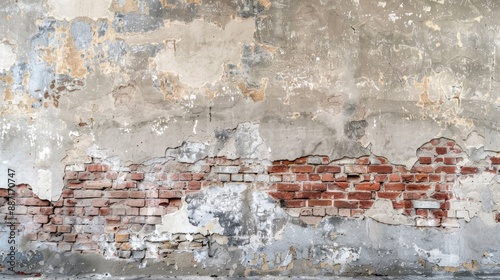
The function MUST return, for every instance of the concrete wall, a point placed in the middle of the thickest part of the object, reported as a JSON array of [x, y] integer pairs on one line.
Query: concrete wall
[[250, 137]]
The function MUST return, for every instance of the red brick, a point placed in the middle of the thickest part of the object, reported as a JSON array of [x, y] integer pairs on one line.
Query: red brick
[[50, 228], [327, 177], [86, 176], [69, 237], [421, 177], [64, 228], [363, 160], [319, 202], [447, 169], [469, 170], [333, 195], [282, 195], [58, 220], [137, 194], [67, 193], [425, 160], [380, 168], [408, 177], [301, 177], [4, 192], [185, 177], [170, 194], [366, 204], [100, 202], [314, 177], [309, 195], [137, 176], [98, 185], [342, 185], [35, 202], [296, 203], [198, 176], [194, 185], [367, 187], [178, 185], [132, 211], [495, 160], [70, 175], [360, 169], [394, 187], [346, 204], [441, 196], [104, 211], [302, 169], [301, 160], [441, 150], [359, 195], [443, 187], [394, 177], [434, 177], [315, 186], [445, 205], [97, 168], [449, 161], [421, 212], [135, 202], [388, 195], [46, 210], [422, 169], [118, 194], [277, 169], [113, 220], [287, 187], [124, 185], [417, 187], [328, 169], [414, 195], [379, 178], [439, 213], [401, 204]]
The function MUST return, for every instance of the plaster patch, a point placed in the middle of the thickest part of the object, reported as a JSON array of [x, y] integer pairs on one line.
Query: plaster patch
[[437, 257], [383, 211], [197, 51], [44, 184], [69, 10], [8, 57]]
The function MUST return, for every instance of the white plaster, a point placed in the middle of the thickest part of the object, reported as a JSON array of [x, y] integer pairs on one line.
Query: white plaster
[[7, 56], [437, 257], [71, 9]]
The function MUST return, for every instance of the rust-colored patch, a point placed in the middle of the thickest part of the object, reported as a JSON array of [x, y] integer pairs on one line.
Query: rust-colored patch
[[265, 3], [170, 86], [257, 94], [198, 2], [472, 265]]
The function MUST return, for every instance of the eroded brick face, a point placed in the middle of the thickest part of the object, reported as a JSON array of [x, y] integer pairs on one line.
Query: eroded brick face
[[106, 204]]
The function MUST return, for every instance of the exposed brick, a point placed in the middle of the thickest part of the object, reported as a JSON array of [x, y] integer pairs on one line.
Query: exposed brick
[[287, 187], [98, 185], [363, 160], [342, 185], [97, 168], [135, 202], [122, 237], [401, 204], [367, 187], [137, 176], [346, 204], [35, 202], [408, 177], [185, 177], [379, 178], [132, 211], [46, 210], [441, 196], [69, 237], [308, 195], [434, 177], [366, 204], [495, 160], [422, 212], [394, 178], [86, 176], [422, 169], [425, 160], [388, 195], [198, 176], [104, 211], [50, 228], [449, 161], [124, 185], [64, 228], [469, 170], [137, 194], [314, 177], [194, 185], [380, 168], [296, 203], [282, 195], [314, 186], [327, 177], [414, 195], [359, 195], [302, 169], [439, 213], [328, 169], [117, 194], [170, 194], [277, 169], [87, 193], [360, 169], [441, 150], [417, 187], [318, 202], [301, 177], [421, 178], [333, 195], [447, 169]]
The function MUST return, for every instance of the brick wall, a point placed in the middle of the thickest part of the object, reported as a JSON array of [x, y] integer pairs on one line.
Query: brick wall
[[104, 208]]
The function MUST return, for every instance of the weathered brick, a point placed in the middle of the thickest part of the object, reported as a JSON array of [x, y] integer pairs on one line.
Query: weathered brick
[[442, 196], [495, 160], [124, 185], [314, 186], [185, 176], [328, 169], [447, 169], [69, 237], [394, 177], [308, 195], [425, 160], [422, 169], [402, 204], [314, 177], [97, 167], [86, 176], [469, 170], [302, 169], [367, 187], [132, 211], [333, 195], [379, 178], [296, 203], [122, 237], [365, 204], [287, 187], [414, 195], [170, 194], [380, 168], [441, 150], [319, 202], [388, 195], [359, 169], [421, 178], [87, 193], [327, 177], [359, 195], [282, 195], [64, 228], [194, 185], [137, 194], [346, 204], [98, 185], [417, 187], [117, 194], [104, 211], [135, 202], [137, 176]]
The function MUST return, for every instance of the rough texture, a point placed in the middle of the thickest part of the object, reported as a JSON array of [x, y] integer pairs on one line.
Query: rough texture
[[238, 137]]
